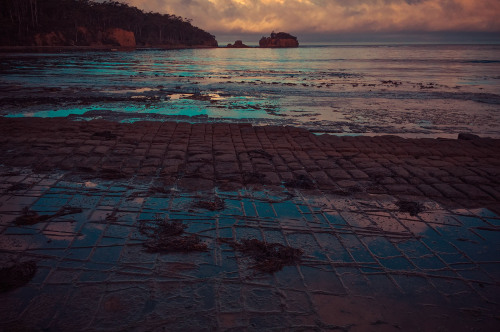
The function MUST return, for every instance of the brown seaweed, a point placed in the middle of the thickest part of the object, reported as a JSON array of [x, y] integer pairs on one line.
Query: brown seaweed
[[19, 187], [413, 208], [111, 174], [301, 181], [268, 257], [168, 236], [30, 217], [216, 205], [17, 275], [252, 177]]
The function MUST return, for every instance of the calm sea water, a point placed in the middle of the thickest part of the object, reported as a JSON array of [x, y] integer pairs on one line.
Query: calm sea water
[[413, 90]]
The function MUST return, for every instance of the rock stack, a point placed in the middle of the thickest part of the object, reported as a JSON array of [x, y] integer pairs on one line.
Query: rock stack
[[278, 40], [238, 44]]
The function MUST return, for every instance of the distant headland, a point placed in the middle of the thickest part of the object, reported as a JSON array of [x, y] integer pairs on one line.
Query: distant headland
[[87, 23]]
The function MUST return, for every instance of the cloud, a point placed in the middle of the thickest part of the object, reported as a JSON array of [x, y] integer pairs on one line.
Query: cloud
[[332, 16]]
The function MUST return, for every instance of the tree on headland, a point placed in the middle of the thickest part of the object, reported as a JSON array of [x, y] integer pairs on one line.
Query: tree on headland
[[83, 22]]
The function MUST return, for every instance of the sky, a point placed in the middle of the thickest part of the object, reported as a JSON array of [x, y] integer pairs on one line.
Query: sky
[[335, 18]]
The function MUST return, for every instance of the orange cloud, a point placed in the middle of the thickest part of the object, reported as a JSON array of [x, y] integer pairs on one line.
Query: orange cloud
[[332, 16]]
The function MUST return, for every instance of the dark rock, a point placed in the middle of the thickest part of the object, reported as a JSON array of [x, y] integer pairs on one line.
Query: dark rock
[[238, 44], [279, 40], [467, 137]]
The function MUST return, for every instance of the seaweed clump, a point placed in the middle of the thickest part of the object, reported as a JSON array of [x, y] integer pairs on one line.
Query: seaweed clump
[[32, 217], [268, 257], [216, 205], [253, 177], [413, 208], [18, 187], [165, 236], [301, 181], [111, 174], [17, 275]]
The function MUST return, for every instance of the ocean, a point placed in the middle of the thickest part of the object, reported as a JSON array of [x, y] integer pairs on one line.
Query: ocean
[[406, 90]]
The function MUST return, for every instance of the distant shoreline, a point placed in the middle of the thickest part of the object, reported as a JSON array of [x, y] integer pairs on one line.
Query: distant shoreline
[[108, 48]]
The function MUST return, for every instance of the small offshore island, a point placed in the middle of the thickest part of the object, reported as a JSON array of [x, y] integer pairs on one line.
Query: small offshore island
[[276, 40]]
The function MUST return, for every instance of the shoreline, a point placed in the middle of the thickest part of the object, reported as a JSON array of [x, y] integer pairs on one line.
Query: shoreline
[[117, 117], [354, 101], [106, 48]]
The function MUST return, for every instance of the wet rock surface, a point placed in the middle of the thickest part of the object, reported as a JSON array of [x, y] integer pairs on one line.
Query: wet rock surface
[[323, 96], [233, 155], [389, 230]]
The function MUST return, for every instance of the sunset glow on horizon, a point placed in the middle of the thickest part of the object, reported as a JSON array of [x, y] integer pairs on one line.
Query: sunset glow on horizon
[[332, 16]]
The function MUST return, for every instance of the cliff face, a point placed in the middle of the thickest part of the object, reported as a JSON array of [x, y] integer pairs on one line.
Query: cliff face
[[49, 39], [112, 37], [278, 40], [211, 42], [119, 37]]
